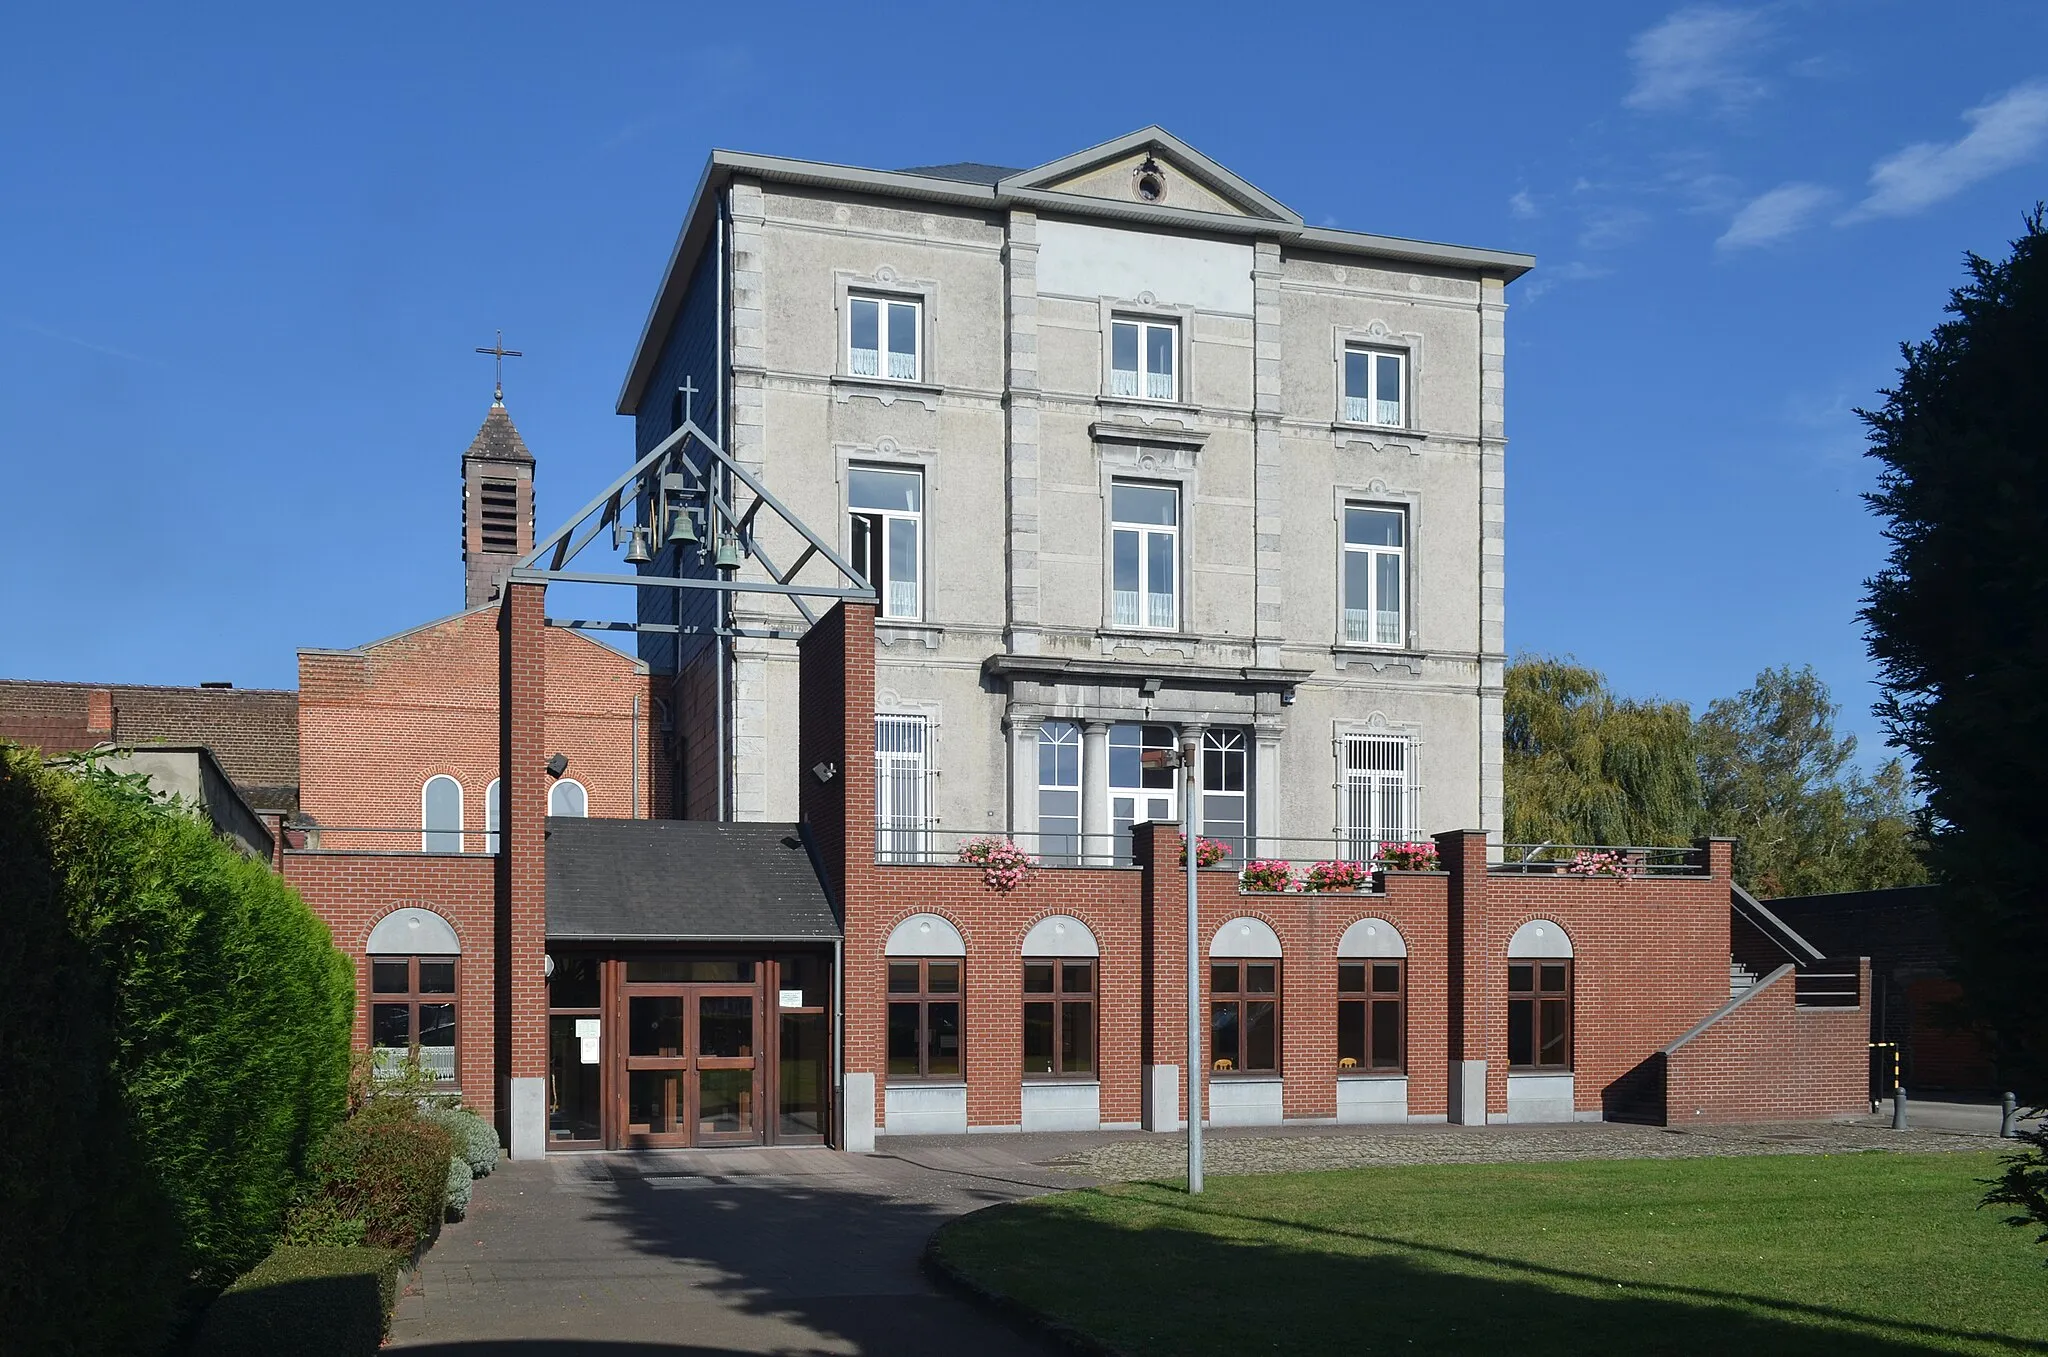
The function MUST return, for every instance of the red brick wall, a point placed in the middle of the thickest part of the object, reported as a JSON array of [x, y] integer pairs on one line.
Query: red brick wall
[[526, 676], [352, 891], [1770, 1059], [376, 723]]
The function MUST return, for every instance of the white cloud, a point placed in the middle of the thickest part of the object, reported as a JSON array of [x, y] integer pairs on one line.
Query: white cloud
[[1773, 216], [1700, 51], [1547, 277], [1609, 228], [2006, 132], [1522, 205]]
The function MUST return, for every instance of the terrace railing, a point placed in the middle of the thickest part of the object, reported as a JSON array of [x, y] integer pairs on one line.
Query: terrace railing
[[1593, 859], [1836, 983], [926, 846]]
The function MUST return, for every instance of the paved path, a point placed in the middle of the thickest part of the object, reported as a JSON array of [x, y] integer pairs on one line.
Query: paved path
[[785, 1251], [803, 1251]]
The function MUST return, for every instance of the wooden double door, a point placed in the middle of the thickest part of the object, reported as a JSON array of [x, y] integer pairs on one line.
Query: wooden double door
[[690, 1067]]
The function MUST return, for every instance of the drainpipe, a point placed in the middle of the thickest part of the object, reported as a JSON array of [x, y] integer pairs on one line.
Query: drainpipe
[[633, 755], [720, 642]]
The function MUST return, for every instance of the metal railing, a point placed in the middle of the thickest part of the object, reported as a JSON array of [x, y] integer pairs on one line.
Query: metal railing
[[1598, 860], [305, 835], [930, 847], [1828, 984]]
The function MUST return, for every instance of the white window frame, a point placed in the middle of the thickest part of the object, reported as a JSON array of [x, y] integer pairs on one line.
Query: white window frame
[[1141, 615], [883, 357], [428, 833], [1367, 626], [492, 823], [1377, 797], [1229, 741], [1060, 735], [569, 782], [903, 742], [898, 601], [1144, 383], [1368, 408], [1120, 827]]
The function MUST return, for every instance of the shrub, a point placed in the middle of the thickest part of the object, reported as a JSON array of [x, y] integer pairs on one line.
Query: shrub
[[476, 1140], [320, 1221], [175, 1024], [313, 1302], [457, 1190], [1266, 874], [388, 1168], [1336, 876]]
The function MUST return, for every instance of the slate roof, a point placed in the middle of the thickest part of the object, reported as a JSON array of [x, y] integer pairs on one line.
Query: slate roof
[[497, 440], [964, 171], [253, 732], [684, 880]]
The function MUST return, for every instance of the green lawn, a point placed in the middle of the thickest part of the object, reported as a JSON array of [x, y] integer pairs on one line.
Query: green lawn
[[1865, 1253]]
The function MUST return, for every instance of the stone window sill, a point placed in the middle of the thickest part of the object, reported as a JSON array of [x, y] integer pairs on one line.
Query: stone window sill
[[885, 389], [1370, 1076], [1143, 408]]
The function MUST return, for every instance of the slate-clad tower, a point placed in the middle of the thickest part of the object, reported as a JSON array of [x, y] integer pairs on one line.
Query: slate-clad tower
[[497, 505]]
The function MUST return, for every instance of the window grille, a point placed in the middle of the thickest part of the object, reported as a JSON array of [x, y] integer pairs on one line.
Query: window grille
[[1379, 794], [901, 773]]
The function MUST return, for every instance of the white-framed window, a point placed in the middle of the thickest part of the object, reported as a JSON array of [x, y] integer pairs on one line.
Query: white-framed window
[[568, 797], [1059, 791], [882, 338], [902, 772], [1144, 550], [1379, 793], [1137, 793], [491, 814], [1375, 574], [1374, 387], [441, 815], [1144, 359], [1226, 788], [887, 509]]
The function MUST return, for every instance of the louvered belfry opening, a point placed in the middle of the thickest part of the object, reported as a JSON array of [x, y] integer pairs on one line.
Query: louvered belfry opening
[[500, 516]]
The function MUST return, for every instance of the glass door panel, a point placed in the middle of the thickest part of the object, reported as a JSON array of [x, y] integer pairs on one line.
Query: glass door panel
[[574, 1086], [802, 1074]]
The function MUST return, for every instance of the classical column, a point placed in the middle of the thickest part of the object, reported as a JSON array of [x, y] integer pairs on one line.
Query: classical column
[[1024, 779], [1266, 790], [1096, 846]]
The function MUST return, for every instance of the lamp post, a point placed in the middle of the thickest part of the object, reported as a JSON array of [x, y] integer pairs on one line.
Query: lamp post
[[1185, 758]]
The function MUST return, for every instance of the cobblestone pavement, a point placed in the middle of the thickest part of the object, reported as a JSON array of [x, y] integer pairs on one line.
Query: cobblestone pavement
[[1306, 1149]]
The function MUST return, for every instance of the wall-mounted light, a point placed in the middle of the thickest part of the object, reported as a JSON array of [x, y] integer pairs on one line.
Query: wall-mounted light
[[1149, 688], [558, 764], [1287, 696], [824, 772]]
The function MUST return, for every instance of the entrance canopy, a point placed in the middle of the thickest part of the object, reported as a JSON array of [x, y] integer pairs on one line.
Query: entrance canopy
[[683, 881]]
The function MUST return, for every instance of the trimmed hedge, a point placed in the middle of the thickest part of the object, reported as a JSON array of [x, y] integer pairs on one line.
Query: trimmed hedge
[[388, 1168], [458, 1187], [476, 1140], [318, 1302], [175, 1026]]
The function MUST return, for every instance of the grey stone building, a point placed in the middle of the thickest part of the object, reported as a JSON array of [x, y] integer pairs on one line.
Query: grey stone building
[[1129, 452]]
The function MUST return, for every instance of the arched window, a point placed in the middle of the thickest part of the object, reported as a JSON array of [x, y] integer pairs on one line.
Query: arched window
[[491, 821], [441, 815], [1244, 999], [1540, 998], [413, 956], [1059, 999], [1372, 993], [926, 989], [567, 797]]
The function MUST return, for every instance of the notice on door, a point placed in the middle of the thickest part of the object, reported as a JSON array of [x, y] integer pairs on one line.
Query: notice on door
[[792, 998], [586, 1033]]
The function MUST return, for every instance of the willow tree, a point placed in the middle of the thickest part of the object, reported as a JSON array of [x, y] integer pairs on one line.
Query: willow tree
[[1585, 766]]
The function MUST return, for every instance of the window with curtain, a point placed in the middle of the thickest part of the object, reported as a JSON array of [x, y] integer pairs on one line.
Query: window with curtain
[[887, 536], [1144, 552], [1142, 357], [902, 771], [1373, 387], [1375, 564], [882, 338], [1059, 791], [441, 815]]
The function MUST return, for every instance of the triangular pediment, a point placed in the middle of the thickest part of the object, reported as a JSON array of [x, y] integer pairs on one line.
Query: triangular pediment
[[1152, 168]]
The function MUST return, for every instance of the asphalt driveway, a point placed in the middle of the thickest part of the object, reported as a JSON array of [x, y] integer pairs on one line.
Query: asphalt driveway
[[784, 1251]]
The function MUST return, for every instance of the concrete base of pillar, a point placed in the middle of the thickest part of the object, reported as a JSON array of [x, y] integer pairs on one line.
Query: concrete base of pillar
[[1468, 1092], [858, 1099], [529, 1118], [1162, 1098]]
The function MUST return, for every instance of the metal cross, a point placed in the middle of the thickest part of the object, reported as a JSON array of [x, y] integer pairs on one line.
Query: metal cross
[[499, 354], [688, 391]]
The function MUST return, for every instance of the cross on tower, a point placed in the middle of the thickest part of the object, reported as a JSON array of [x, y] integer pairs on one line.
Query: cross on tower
[[499, 354], [688, 391]]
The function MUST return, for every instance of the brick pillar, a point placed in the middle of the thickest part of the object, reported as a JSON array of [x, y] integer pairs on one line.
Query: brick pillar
[[1717, 856], [1163, 1025], [522, 916], [1472, 1020], [99, 714]]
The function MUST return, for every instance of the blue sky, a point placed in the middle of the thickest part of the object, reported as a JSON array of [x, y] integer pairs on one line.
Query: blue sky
[[246, 253]]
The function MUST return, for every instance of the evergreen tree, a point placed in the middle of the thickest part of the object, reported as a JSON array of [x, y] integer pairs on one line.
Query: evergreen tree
[[1958, 622]]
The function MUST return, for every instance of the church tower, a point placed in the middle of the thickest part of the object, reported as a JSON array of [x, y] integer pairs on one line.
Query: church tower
[[497, 504]]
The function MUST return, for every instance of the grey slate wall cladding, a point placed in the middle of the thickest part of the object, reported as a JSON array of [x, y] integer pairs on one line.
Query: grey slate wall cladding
[[682, 879]]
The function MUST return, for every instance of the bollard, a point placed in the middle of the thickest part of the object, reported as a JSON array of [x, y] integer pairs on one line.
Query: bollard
[[2009, 1119], [1898, 1107]]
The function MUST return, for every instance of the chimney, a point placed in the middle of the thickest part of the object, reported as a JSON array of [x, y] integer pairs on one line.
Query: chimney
[[99, 715], [497, 505]]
